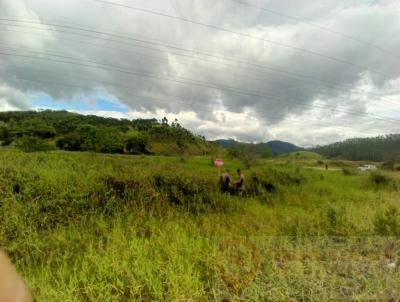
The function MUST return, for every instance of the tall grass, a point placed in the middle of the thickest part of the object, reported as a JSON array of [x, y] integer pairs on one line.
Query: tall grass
[[92, 227]]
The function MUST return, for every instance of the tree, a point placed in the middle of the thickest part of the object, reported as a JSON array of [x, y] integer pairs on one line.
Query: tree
[[75, 132], [249, 153], [164, 121], [32, 144], [373, 149], [136, 144], [36, 127], [69, 142], [109, 140], [5, 135]]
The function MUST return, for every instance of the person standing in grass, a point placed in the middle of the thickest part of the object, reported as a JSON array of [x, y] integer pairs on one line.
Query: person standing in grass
[[239, 184], [226, 182]]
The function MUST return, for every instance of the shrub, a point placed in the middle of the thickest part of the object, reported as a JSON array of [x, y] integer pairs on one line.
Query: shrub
[[387, 223], [32, 144], [379, 179], [249, 153], [389, 165], [286, 178], [338, 224], [258, 185], [349, 172], [183, 191], [136, 144]]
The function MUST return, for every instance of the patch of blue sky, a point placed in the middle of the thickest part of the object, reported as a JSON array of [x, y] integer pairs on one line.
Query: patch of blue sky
[[98, 102], [110, 105]]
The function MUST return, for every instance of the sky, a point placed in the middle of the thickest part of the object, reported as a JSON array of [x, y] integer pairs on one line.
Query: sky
[[308, 72]]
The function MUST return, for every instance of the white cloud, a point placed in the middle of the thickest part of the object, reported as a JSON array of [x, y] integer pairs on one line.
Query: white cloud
[[12, 99]]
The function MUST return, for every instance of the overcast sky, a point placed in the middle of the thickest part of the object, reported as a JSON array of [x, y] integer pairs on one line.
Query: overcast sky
[[309, 72]]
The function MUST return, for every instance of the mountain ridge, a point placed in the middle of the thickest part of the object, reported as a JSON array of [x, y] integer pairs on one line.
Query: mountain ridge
[[277, 147]]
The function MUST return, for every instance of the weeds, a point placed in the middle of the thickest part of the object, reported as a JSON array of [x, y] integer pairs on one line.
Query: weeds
[[387, 222], [349, 171], [92, 227], [380, 181]]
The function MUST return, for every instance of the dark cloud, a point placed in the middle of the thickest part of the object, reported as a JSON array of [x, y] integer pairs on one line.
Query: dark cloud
[[269, 96]]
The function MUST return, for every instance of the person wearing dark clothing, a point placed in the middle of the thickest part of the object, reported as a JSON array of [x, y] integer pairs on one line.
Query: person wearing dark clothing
[[239, 184], [226, 182]]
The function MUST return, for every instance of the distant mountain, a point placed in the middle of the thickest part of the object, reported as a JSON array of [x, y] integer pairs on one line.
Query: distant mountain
[[276, 147], [281, 147], [226, 143]]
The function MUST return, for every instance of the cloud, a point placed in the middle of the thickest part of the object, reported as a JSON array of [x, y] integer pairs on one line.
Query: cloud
[[252, 101], [12, 99]]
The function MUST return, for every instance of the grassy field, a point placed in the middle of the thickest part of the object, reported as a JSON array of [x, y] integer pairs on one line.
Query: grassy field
[[93, 227]]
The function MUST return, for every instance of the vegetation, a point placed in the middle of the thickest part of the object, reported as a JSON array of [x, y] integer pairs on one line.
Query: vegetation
[[249, 153], [82, 226], [46, 130], [280, 147], [301, 155], [381, 148], [275, 147]]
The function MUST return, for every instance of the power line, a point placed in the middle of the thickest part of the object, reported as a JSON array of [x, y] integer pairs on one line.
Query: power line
[[222, 29], [192, 51], [180, 80], [212, 87], [145, 55], [36, 80], [319, 27], [186, 81]]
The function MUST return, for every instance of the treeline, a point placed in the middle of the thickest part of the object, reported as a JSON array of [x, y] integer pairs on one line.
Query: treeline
[[46, 130], [249, 153], [381, 148]]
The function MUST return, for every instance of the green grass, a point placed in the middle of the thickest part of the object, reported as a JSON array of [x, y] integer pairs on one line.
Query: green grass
[[301, 155], [93, 227]]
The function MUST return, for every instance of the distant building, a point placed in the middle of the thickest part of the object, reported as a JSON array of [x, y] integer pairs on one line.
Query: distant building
[[367, 167]]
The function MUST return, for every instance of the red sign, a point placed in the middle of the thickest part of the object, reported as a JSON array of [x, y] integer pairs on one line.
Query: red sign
[[218, 162]]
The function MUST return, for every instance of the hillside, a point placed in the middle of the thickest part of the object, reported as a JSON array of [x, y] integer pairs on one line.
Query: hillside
[[381, 148], [280, 147], [48, 130], [276, 147]]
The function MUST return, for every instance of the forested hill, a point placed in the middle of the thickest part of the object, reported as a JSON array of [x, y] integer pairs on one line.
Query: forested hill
[[275, 147], [281, 147], [46, 130], [381, 148]]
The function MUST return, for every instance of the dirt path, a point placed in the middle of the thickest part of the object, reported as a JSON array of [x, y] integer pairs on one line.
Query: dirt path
[[323, 169]]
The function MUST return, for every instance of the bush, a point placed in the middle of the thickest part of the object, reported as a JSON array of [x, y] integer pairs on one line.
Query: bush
[[258, 185], [285, 178], [69, 142], [387, 223], [33, 144], [349, 172], [136, 144], [183, 191], [249, 153], [389, 165], [379, 179]]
